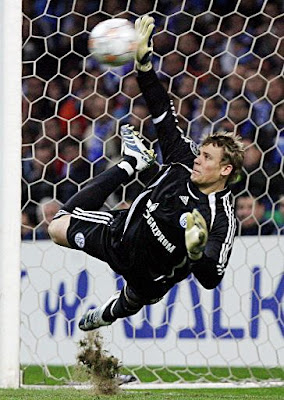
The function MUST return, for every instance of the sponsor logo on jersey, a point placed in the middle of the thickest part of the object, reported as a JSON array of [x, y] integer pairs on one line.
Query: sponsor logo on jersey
[[80, 240], [160, 237], [182, 220], [152, 206], [184, 199]]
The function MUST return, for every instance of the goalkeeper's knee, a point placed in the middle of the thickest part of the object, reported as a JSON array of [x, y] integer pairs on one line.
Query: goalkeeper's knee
[[57, 230]]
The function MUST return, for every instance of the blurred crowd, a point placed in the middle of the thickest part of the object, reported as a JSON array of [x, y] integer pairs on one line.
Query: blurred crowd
[[220, 61]]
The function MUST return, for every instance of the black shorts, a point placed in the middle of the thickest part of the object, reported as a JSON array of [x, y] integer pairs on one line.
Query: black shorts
[[94, 232], [89, 231]]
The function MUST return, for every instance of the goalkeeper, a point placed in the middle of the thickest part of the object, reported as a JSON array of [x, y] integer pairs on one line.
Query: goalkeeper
[[181, 223]]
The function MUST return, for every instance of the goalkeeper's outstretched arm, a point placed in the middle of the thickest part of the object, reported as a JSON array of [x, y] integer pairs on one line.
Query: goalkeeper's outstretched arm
[[175, 147]]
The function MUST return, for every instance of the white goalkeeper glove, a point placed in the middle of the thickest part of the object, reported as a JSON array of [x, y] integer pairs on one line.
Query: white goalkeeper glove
[[196, 235], [144, 27]]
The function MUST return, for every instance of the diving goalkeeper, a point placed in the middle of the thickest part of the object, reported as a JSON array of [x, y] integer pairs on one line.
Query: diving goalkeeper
[[182, 222]]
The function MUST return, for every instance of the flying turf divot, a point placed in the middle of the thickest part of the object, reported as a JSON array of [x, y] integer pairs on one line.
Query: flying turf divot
[[100, 367]]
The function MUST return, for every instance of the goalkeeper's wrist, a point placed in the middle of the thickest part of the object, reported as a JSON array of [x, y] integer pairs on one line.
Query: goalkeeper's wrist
[[144, 67], [195, 256]]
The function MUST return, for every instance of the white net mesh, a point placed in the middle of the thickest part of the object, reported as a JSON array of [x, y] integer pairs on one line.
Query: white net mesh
[[222, 62]]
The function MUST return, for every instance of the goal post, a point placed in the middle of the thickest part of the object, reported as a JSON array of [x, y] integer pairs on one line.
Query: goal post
[[221, 63], [10, 192]]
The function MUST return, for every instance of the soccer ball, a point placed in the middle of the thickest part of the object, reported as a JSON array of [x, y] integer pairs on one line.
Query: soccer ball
[[113, 42]]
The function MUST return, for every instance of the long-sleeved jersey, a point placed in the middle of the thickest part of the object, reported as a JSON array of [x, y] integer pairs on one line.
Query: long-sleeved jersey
[[149, 238]]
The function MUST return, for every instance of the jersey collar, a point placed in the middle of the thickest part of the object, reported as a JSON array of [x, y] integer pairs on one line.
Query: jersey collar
[[198, 195]]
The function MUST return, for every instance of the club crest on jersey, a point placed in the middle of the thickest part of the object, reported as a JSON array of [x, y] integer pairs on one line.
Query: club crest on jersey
[[194, 148], [184, 199], [80, 240], [182, 220]]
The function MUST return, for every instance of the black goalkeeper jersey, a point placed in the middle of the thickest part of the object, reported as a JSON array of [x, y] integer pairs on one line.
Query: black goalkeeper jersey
[[149, 238]]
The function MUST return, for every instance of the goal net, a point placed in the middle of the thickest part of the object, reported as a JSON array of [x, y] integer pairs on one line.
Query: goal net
[[222, 63]]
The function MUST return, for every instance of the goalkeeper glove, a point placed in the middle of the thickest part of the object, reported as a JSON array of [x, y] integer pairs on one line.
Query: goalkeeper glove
[[196, 235], [144, 27]]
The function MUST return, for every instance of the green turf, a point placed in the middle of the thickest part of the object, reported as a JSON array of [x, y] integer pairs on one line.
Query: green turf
[[204, 394], [34, 375]]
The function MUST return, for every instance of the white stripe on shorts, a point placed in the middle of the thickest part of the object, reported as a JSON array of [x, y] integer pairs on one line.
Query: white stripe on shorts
[[100, 217], [105, 213]]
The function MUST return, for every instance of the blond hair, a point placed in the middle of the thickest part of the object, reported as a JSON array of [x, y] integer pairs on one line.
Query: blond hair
[[233, 150]]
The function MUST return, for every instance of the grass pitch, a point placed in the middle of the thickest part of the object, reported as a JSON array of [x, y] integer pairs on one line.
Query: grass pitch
[[34, 375], [59, 375], [202, 394]]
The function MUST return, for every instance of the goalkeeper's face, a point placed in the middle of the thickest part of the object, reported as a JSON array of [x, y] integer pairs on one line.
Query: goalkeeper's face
[[208, 170]]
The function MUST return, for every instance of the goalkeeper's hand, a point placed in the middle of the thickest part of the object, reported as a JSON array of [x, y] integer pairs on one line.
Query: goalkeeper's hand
[[196, 235], [144, 27]]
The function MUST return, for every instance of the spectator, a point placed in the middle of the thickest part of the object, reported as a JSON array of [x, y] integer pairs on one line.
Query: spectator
[[69, 110], [51, 129], [256, 168], [42, 166], [276, 90], [163, 42], [172, 64], [201, 55], [26, 227], [232, 86], [238, 110], [188, 44], [140, 118], [45, 212], [130, 91], [254, 90], [54, 90], [277, 215], [75, 168], [210, 112], [28, 231], [102, 128], [250, 213], [39, 173], [141, 7], [185, 87], [280, 220], [238, 114], [40, 107]]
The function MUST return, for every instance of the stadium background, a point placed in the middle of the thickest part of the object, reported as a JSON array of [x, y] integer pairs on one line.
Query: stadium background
[[222, 67], [222, 63]]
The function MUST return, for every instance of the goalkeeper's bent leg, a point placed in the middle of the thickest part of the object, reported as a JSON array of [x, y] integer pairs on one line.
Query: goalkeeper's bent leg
[[126, 305], [90, 198], [94, 194]]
